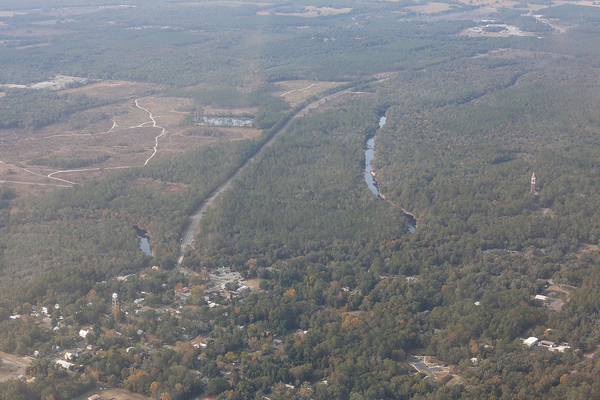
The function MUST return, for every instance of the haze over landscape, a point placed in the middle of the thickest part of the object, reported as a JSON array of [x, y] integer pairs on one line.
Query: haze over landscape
[[333, 199]]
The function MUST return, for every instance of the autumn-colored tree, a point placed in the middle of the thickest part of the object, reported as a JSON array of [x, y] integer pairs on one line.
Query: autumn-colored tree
[[165, 396], [155, 386]]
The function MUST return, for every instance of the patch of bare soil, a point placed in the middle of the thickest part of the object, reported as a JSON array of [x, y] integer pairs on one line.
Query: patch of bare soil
[[102, 139], [493, 6], [430, 8], [34, 31], [11, 13], [115, 89], [229, 112], [253, 283], [311, 12], [295, 92]]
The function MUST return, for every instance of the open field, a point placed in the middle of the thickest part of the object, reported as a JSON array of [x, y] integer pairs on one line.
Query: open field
[[33, 31], [11, 13], [101, 139], [13, 366], [311, 12], [295, 92], [493, 6], [430, 8]]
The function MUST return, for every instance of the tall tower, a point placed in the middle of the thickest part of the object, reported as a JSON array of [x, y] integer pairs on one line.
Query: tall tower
[[533, 182], [115, 300]]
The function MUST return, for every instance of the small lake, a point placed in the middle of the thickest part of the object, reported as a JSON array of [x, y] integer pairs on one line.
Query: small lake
[[225, 121], [144, 240], [370, 177]]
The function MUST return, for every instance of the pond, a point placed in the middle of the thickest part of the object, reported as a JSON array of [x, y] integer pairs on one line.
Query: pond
[[144, 240]]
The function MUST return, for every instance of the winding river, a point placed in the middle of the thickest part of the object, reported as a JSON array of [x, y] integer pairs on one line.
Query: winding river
[[370, 176]]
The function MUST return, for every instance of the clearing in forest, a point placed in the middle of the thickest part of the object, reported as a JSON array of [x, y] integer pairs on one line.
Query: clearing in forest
[[132, 130], [309, 12], [430, 8], [296, 92]]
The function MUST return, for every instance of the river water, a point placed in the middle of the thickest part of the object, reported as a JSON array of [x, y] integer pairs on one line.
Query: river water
[[370, 177], [142, 236]]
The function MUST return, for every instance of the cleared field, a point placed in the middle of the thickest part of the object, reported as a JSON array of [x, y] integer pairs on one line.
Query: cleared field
[[11, 13], [33, 31], [295, 92], [115, 89], [311, 12], [102, 139], [494, 6], [430, 8]]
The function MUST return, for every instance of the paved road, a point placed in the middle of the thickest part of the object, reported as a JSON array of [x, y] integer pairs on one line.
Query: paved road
[[421, 365], [12, 362], [193, 221]]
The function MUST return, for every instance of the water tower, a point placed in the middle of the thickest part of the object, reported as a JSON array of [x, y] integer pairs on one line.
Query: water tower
[[115, 300]]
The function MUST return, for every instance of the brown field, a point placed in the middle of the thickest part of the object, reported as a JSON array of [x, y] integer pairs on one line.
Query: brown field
[[229, 112], [224, 3], [11, 13], [31, 46], [295, 92], [311, 12], [118, 89], [31, 31], [430, 8], [493, 6], [122, 131], [253, 283], [587, 3]]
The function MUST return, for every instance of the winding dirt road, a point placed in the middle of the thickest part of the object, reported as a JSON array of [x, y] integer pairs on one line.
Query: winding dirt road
[[67, 183]]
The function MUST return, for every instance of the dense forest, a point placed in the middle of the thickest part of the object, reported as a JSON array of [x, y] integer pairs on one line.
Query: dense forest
[[347, 302]]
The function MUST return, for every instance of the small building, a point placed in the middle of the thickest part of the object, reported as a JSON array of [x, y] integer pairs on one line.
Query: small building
[[139, 301], [546, 343], [64, 364], [98, 397], [541, 297], [530, 341], [84, 332], [243, 290]]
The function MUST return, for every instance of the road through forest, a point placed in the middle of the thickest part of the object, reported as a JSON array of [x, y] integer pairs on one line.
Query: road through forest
[[194, 220]]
